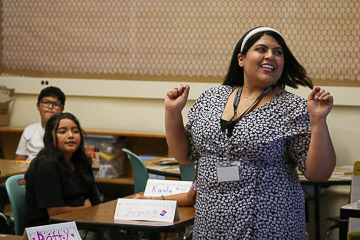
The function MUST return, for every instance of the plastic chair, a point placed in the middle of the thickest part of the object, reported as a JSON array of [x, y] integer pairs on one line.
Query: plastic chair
[[140, 172], [17, 195], [187, 171]]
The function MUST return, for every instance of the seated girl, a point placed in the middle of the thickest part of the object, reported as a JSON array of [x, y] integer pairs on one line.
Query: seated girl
[[60, 178]]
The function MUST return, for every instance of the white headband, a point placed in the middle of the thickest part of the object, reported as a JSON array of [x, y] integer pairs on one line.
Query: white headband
[[257, 30]]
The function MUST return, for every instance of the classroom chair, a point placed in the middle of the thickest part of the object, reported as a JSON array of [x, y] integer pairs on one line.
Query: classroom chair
[[17, 199], [187, 171], [140, 172]]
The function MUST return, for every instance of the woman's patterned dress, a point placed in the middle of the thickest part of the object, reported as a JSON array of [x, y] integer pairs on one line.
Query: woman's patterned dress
[[269, 144]]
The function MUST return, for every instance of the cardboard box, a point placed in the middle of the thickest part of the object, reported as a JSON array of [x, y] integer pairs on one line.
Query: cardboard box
[[6, 96], [107, 155]]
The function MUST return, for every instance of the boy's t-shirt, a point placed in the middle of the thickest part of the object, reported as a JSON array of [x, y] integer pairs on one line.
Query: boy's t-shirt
[[31, 141]]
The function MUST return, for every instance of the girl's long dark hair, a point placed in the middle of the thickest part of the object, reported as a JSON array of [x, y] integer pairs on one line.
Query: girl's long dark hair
[[82, 163], [293, 74]]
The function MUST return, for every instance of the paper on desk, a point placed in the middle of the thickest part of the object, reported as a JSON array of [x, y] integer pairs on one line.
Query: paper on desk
[[63, 231], [146, 210], [158, 187]]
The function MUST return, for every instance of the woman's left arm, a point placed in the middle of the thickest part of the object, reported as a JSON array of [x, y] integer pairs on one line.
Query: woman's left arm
[[321, 158]]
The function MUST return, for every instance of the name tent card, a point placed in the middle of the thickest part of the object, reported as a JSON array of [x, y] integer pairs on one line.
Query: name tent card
[[59, 231], [158, 187], [146, 210]]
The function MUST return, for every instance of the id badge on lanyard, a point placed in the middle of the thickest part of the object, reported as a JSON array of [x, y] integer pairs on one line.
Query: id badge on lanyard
[[228, 174], [228, 170]]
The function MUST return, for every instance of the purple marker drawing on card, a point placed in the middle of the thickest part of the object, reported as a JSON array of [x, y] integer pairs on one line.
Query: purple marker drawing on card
[[163, 212]]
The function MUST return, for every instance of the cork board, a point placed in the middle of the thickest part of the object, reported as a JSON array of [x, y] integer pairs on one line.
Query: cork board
[[173, 40]]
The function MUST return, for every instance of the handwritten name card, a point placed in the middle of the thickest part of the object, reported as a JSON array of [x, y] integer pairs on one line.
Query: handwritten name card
[[158, 187], [60, 231], [146, 210]]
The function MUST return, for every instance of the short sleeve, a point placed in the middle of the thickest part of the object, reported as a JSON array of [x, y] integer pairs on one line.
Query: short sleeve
[[193, 116], [21, 149], [298, 144], [47, 180]]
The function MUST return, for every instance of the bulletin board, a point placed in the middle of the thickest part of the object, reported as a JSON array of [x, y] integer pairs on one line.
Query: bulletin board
[[178, 40]]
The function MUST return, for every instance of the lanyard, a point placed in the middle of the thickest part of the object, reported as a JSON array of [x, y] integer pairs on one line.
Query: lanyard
[[230, 124]]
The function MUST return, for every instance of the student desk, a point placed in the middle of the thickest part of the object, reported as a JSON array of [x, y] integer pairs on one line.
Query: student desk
[[9, 168], [167, 170], [4, 236], [342, 175], [346, 212], [102, 216]]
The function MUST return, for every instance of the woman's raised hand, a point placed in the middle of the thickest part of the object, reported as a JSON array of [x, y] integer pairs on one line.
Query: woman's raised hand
[[175, 99], [319, 103]]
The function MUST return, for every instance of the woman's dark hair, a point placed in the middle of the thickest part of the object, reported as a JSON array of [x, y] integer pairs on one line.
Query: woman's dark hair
[[82, 163], [293, 73]]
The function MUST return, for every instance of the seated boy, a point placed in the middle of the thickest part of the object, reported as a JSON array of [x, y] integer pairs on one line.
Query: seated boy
[[51, 100]]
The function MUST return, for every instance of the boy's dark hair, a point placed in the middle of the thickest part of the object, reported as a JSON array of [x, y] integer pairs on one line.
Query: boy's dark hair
[[54, 92]]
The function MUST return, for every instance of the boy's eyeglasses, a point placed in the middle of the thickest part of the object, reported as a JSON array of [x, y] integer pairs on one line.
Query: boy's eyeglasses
[[46, 103]]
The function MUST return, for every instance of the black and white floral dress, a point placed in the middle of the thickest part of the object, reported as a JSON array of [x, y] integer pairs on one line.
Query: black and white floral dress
[[268, 145]]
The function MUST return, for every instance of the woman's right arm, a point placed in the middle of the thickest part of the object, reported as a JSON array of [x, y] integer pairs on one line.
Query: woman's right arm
[[176, 136]]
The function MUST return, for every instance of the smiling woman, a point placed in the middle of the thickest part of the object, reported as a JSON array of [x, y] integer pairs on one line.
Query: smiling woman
[[248, 151]]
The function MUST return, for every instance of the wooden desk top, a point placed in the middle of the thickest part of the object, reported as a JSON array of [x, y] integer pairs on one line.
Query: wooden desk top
[[102, 216], [351, 206], [4, 236], [342, 175], [12, 167], [171, 170]]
